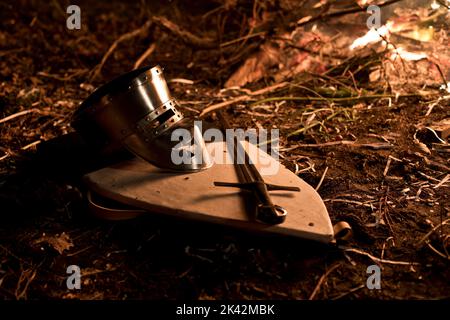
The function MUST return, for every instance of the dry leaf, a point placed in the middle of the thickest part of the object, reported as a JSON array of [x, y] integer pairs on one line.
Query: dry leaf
[[255, 67], [422, 146], [58, 242]]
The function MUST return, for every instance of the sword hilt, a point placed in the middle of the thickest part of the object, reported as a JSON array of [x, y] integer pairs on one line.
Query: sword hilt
[[271, 214]]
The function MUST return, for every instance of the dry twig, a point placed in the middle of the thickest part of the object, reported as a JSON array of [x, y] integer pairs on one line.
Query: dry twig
[[145, 55], [375, 146], [321, 280], [321, 179], [425, 237], [186, 36], [18, 114], [378, 260], [127, 36], [348, 292], [25, 279], [243, 97]]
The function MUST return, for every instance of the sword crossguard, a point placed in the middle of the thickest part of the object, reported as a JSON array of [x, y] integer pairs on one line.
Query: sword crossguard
[[252, 185]]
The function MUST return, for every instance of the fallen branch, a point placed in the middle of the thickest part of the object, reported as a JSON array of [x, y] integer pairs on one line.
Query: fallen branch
[[186, 36]]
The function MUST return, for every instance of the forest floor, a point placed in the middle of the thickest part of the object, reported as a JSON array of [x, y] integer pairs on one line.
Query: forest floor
[[390, 183]]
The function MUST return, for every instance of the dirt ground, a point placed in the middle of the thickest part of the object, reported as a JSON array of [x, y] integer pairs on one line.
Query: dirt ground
[[391, 207]]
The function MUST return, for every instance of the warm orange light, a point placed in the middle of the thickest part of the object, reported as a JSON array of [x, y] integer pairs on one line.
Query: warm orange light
[[372, 36]]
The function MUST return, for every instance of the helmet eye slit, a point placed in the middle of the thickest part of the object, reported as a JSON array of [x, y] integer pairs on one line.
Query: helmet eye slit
[[163, 118]]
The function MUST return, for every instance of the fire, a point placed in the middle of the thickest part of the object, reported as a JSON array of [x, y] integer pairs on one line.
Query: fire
[[446, 88], [407, 55], [383, 34], [435, 5], [374, 35]]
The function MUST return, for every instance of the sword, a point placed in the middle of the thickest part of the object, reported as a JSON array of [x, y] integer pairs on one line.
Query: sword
[[251, 180]]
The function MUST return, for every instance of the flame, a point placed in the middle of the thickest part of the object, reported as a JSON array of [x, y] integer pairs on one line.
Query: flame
[[372, 36], [407, 55], [446, 88], [423, 34], [435, 5], [383, 33]]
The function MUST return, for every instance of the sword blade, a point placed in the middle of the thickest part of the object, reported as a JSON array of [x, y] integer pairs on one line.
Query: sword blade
[[266, 210]]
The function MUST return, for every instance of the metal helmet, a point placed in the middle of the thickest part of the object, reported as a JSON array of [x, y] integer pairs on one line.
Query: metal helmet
[[137, 111]]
